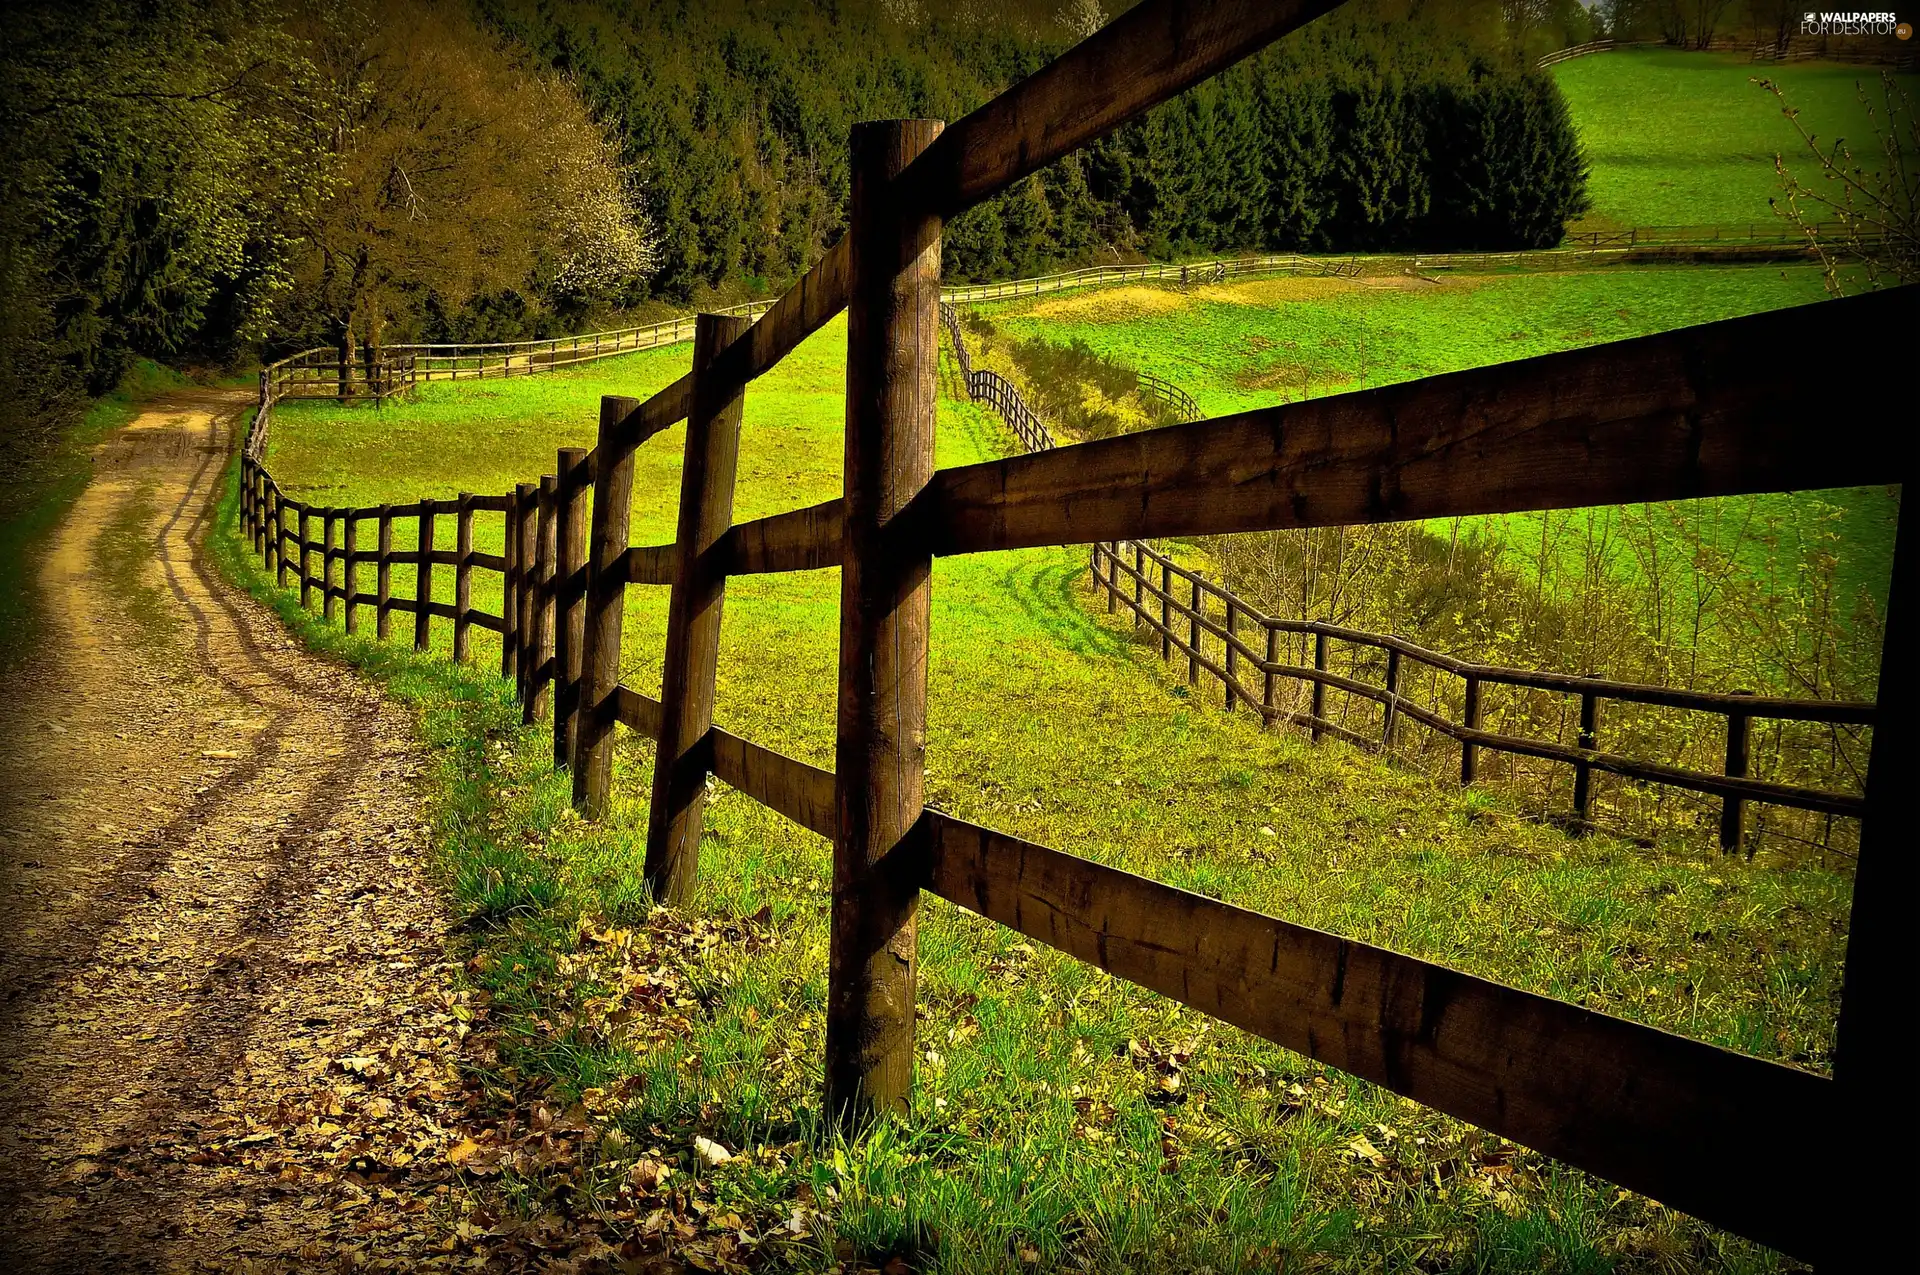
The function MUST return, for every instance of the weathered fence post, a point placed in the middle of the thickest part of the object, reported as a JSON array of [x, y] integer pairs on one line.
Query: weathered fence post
[[350, 571], [1139, 583], [1469, 751], [306, 560], [1166, 613], [675, 816], [1267, 705], [383, 577], [1872, 1060], [277, 542], [1113, 578], [1319, 687], [605, 609], [510, 589], [570, 610], [1193, 632], [1232, 681], [538, 694], [246, 496], [1733, 810], [329, 600], [423, 579], [262, 506], [526, 549], [463, 579], [1582, 772], [880, 751], [1393, 701]]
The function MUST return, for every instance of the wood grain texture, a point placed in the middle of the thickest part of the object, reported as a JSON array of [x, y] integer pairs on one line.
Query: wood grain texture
[[605, 610], [885, 577], [383, 576], [539, 688], [509, 589], [649, 564], [463, 578], [676, 813], [423, 579], [801, 792], [350, 574], [526, 598], [1673, 1118], [1873, 1055], [636, 711], [570, 607], [797, 540], [1666, 417]]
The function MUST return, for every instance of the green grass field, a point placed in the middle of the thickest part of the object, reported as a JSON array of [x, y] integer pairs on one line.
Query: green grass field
[[1062, 1120], [1241, 346], [1686, 139]]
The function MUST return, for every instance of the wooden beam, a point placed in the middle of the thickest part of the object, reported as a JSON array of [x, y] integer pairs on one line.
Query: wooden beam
[[606, 610], [649, 564], [1681, 414], [570, 608], [1714, 1133], [1152, 52], [797, 540], [526, 599], [1873, 1055], [423, 578], [676, 813], [801, 792], [881, 737], [540, 683]]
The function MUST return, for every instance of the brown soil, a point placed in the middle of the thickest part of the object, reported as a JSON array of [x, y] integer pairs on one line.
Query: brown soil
[[230, 1033]]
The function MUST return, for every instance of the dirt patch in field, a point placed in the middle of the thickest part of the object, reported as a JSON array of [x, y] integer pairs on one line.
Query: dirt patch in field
[[1111, 305]]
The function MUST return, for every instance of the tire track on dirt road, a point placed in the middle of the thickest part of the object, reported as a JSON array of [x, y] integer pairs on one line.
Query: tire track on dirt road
[[212, 839]]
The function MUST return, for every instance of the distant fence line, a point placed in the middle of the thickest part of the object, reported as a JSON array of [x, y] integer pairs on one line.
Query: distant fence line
[[380, 372], [1793, 48], [1184, 610]]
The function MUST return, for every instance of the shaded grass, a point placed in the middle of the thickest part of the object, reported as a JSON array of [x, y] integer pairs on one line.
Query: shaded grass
[[1062, 1120]]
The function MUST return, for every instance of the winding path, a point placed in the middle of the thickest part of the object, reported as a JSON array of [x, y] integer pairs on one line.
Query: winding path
[[223, 984]]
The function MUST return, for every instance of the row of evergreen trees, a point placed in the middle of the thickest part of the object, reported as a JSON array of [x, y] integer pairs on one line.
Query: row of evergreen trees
[[1388, 124]]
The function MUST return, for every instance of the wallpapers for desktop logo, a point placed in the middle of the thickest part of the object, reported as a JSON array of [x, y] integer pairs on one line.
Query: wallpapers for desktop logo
[[1854, 24]]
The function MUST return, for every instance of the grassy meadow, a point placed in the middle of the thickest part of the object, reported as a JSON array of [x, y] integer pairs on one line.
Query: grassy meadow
[[1679, 138], [1235, 347], [1063, 1120]]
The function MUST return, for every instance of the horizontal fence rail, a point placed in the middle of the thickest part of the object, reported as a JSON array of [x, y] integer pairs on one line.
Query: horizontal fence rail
[[1186, 611], [1719, 1134]]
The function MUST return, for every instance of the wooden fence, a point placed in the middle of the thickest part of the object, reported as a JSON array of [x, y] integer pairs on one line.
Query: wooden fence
[[1188, 612], [1766, 1149], [375, 374]]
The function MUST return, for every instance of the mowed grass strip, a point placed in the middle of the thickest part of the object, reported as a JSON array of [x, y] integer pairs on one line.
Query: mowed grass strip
[[1062, 1120]]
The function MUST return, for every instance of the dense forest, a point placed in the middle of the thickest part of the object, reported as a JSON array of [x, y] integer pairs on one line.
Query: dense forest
[[217, 181], [1381, 126]]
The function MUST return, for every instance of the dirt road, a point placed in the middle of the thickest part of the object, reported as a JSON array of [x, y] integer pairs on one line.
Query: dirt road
[[228, 1032]]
